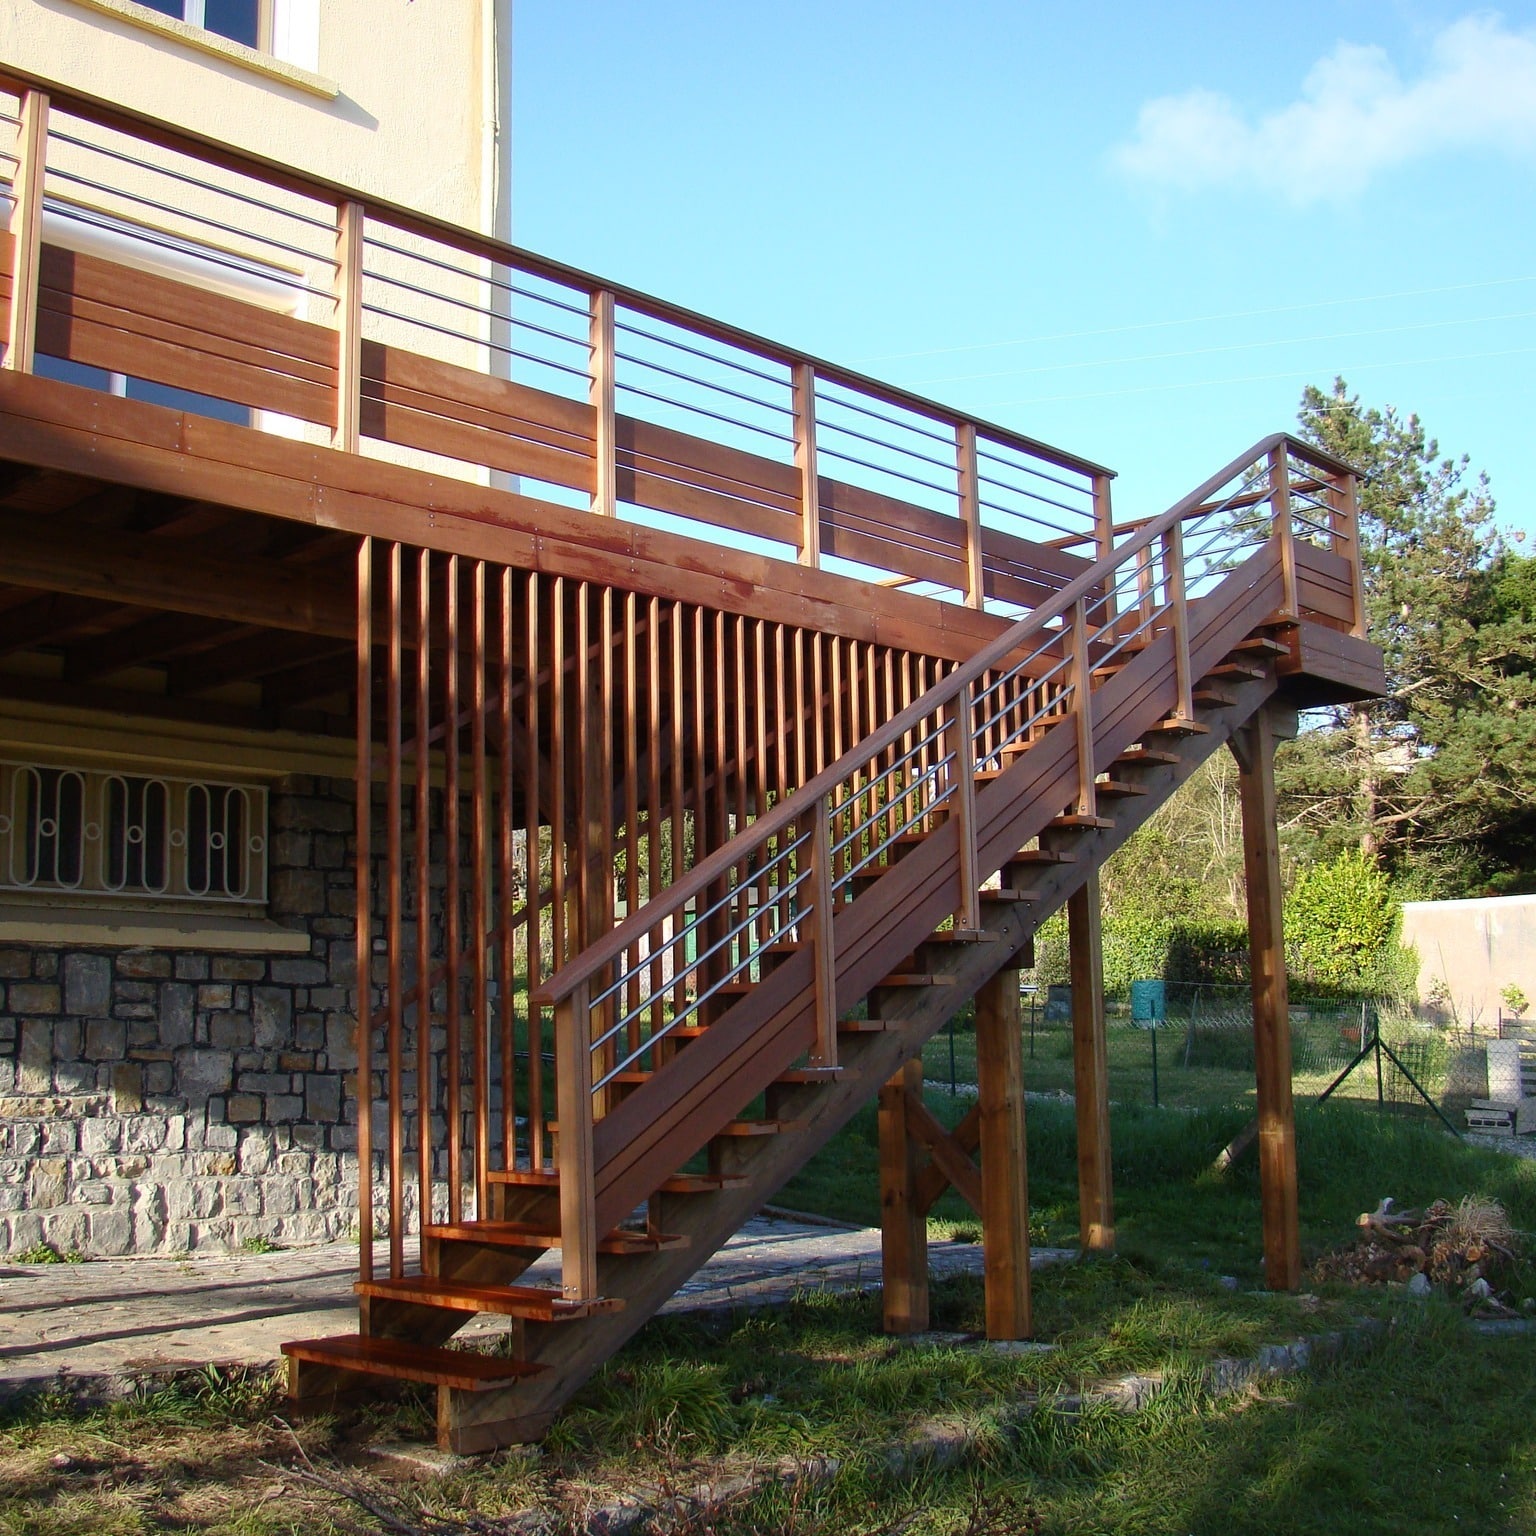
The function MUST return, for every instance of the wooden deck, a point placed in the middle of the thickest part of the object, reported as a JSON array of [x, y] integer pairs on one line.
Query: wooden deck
[[749, 695]]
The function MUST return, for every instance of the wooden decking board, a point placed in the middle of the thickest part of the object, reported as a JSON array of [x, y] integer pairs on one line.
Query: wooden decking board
[[413, 1362], [530, 1302]]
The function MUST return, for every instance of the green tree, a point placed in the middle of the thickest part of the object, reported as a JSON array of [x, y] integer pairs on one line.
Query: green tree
[[1435, 780]]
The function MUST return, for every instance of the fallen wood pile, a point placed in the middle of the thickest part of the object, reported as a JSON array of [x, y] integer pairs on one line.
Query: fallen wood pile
[[1463, 1249]]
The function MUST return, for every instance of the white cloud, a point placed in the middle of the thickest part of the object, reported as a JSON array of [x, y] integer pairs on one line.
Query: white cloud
[[1355, 116]]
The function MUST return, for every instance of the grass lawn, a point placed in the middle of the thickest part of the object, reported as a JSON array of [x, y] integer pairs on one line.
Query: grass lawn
[[1421, 1426]]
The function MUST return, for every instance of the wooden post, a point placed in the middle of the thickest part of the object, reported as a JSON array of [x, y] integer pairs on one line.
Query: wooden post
[[970, 515], [1178, 613], [903, 1222], [1254, 749], [1004, 1178], [1280, 506], [1090, 1070], [803, 387], [824, 956], [1349, 494], [1103, 520], [1082, 709], [364, 794], [27, 230], [601, 396], [578, 1191], [350, 218], [958, 743]]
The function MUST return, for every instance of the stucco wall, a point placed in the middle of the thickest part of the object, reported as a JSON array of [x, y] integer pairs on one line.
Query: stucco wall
[[414, 118], [1477, 948]]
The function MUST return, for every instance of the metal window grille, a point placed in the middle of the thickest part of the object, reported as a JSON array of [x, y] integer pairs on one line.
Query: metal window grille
[[111, 833]]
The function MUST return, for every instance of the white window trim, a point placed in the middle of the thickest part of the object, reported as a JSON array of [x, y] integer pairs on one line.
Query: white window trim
[[295, 32]]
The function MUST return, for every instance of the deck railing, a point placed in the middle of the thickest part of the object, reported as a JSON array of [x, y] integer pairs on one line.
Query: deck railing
[[780, 884], [162, 258]]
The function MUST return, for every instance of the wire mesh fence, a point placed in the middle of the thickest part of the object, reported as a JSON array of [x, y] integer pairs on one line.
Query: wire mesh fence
[[1198, 1051]]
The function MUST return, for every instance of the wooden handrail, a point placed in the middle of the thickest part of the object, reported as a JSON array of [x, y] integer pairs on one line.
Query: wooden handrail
[[584, 967]]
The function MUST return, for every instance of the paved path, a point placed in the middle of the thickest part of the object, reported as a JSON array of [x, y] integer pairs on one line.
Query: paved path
[[100, 1325]]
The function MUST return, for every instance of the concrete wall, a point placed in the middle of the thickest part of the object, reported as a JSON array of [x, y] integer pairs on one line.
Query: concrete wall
[[1476, 948], [404, 99]]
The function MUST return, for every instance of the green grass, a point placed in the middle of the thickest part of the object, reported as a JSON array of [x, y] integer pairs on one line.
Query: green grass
[[1420, 1426]]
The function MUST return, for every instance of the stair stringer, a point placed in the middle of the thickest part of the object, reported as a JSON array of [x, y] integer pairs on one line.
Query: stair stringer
[[666, 1121], [574, 1351]]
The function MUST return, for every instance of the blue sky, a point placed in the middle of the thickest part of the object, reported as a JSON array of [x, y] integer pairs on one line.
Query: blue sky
[[1133, 231]]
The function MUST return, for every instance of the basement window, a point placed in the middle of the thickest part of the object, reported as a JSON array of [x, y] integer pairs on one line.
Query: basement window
[[119, 836]]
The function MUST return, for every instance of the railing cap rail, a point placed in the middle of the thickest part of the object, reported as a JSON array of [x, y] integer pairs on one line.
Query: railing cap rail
[[590, 961], [112, 114]]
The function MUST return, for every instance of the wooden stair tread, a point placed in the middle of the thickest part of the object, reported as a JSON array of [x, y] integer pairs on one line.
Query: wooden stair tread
[[864, 1026], [1213, 698], [960, 936], [535, 1303], [1118, 788], [527, 1234], [1251, 671], [1082, 819], [1140, 756], [413, 1362], [810, 1075], [1043, 856], [757, 1127], [678, 1184], [1011, 894], [1260, 645], [916, 979], [1179, 728]]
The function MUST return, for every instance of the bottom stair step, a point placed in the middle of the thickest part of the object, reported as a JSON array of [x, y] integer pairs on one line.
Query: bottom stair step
[[523, 1234], [678, 1184], [413, 1362], [535, 1303]]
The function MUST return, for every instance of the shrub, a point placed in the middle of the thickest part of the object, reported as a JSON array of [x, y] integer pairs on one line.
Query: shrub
[[1341, 922]]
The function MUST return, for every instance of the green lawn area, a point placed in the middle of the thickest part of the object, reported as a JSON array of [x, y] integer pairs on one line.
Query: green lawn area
[[1421, 1425]]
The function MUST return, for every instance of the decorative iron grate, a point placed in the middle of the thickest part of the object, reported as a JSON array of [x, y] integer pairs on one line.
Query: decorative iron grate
[[110, 833]]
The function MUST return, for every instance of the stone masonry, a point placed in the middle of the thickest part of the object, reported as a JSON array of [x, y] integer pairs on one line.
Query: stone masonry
[[162, 1101]]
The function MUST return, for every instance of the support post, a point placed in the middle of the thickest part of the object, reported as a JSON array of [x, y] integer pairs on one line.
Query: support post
[[347, 433], [363, 781], [1254, 749], [823, 940], [27, 230], [1004, 1177], [578, 1192], [803, 386], [970, 515], [1090, 1070], [1086, 800], [1280, 507], [601, 398], [962, 752], [903, 1220]]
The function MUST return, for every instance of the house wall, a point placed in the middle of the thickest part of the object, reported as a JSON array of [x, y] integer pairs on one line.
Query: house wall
[[403, 99], [1476, 948], [167, 1100]]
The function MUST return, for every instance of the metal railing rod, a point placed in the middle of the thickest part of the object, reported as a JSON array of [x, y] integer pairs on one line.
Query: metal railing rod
[[630, 328], [472, 307], [951, 491], [823, 425], [982, 451], [327, 226], [699, 410], [488, 279], [477, 341], [690, 378], [947, 438]]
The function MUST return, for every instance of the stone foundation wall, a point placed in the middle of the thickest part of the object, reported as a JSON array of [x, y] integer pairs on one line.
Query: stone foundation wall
[[166, 1100]]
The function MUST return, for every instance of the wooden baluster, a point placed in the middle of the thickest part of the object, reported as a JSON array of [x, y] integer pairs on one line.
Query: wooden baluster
[[423, 767], [350, 220], [27, 230], [453, 1108], [1178, 613], [479, 898], [803, 401], [601, 396], [395, 886], [1082, 708], [632, 899], [578, 1190], [819, 847], [970, 515], [364, 791], [958, 745], [535, 861], [507, 858], [1283, 531]]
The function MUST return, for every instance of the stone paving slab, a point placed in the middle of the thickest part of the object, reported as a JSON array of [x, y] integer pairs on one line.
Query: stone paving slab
[[101, 1325]]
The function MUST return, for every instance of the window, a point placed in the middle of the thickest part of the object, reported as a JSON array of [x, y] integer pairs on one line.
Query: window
[[241, 21], [123, 835], [67, 372]]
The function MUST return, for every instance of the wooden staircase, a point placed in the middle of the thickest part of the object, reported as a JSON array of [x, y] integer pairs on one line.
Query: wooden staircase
[[884, 893]]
